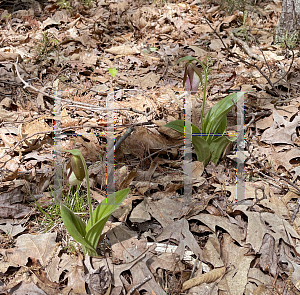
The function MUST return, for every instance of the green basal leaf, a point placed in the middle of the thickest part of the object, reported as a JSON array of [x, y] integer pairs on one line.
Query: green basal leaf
[[101, 215], [93, 235], [221, 129], [215, 117], [201, 148], [199, 143], [75, 226], [217, 147], [69, 216], [108, 206], [178, 125], [222, 125]]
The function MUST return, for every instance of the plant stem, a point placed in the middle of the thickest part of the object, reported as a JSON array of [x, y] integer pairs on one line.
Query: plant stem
[[204, 96], [88, 189]]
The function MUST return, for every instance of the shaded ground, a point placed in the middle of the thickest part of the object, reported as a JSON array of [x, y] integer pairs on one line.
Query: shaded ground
[[75, 59]]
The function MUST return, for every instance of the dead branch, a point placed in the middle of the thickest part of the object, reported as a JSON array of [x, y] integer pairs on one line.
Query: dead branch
[[233, 54]]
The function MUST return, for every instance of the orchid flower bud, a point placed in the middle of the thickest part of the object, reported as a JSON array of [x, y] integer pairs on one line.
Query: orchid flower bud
[[75, 171], [191, 80]]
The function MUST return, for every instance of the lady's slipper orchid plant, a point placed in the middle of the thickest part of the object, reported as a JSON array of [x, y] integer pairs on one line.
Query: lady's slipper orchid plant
[[88, 235], [209, 142]]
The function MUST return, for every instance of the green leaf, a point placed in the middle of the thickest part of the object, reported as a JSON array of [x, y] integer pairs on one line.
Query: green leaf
[[221, 129], [201, 148], [199, 142], [93, 235], [214, 120], [108, 206], [178, 125], [113, 72], [68, 216], [188, 57], [101, 215], [74, 152], [217, 147], [75, 226]]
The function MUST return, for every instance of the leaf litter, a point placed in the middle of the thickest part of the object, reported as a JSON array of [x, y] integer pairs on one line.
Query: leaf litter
[[155, 242]]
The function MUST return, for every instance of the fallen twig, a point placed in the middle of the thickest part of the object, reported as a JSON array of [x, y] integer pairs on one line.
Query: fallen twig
[[73, 103], [146, 279], [233, 54], [245, 47]]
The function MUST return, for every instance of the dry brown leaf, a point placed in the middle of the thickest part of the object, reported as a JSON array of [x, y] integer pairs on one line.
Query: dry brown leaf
[[123, 50], [122, 238], [140, 270], [149, 80], [141, 141], [5, 56], [11, 229], [75, 277], [283, 159], [261, 223], [281, 131], [40, 246], [268, 256], [166, 261], [275, 203], [179, 231], [125, 180], [198, 169], [213, 251], [257, 276], [87, 57], [48, 22], [65, 263], [139, 214], [201, 29], [208, 277], [166, 210], [125, 208], [99, 277], [234, 255], [26, 286], [66, 120], [146, 175], [38, 125], [11, 202]]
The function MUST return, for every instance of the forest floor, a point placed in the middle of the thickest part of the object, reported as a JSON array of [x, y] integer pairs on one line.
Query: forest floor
[[78, 75]]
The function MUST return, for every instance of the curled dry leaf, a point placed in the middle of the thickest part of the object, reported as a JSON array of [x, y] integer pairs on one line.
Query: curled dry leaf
[[123, 50], [209, 277]]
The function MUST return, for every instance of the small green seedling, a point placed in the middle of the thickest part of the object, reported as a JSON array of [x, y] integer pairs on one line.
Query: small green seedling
[[113, 72]]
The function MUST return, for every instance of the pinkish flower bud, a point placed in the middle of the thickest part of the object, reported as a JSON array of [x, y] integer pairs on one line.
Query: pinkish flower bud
[[191, 79]]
